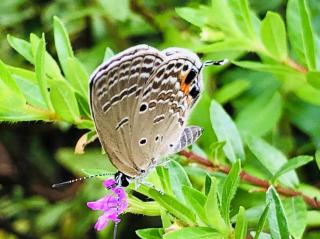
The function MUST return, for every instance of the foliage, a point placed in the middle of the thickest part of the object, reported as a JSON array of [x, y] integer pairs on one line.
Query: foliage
[[272, 95]]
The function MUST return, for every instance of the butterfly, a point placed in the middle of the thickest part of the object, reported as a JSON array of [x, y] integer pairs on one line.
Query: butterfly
[[140, 100]]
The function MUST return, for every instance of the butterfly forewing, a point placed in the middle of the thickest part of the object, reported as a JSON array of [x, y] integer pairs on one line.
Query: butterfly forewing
[[116, 87]]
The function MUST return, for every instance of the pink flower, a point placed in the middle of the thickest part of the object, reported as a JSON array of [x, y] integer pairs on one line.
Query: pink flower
[[112, 205]]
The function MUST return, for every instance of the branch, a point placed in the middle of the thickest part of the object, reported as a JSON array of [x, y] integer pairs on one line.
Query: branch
[[296, 66], [148, 16], [264, 184]]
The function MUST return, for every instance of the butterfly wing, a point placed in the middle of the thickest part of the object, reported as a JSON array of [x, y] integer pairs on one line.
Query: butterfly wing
[[189, 135], [115, 89], [164, 105]]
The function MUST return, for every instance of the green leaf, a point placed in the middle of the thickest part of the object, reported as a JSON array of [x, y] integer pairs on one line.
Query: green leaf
[[207, 184], [150, 233], [241, 225], [163, 174], [274, 69], [262, 235], [231, 91], [95, 171], [226, 130], [196, 200], [272, 159], [223, 46], [317, 156], [52, 69], [273, 36], [22, 47], [178, 178], [308, 93], [229, 190], [307, 35], [77, 76], [174, 206], [64, 101], [193, 233], [212, 207], [62, 43], [27, 82], [194, 16], [108, 54], [165, 218], [40, 65], [10, 83], [293, 21], [292, 164], [296, 212], [261, 115], [50, 214], [83, 103], [77, 163], [262, 221], [242, 15], [277, 220], [313, 77]]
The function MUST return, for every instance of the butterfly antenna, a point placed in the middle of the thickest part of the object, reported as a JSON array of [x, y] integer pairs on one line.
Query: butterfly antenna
[[216, 63], [58, 185]]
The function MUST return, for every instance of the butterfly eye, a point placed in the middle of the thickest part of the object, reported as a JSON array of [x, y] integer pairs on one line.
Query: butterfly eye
[[191, 75]]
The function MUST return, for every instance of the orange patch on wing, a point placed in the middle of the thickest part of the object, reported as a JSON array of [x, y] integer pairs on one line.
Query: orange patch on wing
[[183, 86]]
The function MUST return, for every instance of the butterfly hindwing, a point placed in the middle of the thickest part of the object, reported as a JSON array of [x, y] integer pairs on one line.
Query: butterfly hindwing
[[166, 108], [189, 136]]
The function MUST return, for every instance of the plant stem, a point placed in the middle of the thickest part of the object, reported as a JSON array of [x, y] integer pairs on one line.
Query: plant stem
[[246, 177]]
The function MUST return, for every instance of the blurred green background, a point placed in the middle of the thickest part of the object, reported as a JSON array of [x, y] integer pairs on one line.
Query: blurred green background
[[34, 155]]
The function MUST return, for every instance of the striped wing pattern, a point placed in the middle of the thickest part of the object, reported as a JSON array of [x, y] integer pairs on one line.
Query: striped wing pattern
[[189, 136], [138, 106]]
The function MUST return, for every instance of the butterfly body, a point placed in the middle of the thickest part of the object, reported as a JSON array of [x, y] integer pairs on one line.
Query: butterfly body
[[140, 100]]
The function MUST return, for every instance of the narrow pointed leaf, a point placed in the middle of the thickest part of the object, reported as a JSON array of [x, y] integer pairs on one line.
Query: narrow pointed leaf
[[307, 35], [64, 101], [292, 164], [212, 207], [174, 206], [77, 76], [178, 178], [277, 220], [273, 36], [40, 65], [262, 221], [62, 42], [193, 233], [196, 200], [150, 233], [241, 225], [22, 47], [272, 159], [229, 190], [296, 211], [226, 130]]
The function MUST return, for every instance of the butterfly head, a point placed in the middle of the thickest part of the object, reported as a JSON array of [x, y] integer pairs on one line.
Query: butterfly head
[[121, 179]]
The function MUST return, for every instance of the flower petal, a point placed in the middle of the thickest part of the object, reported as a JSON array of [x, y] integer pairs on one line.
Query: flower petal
[[102, 222], [109, 183], [112, 205]]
